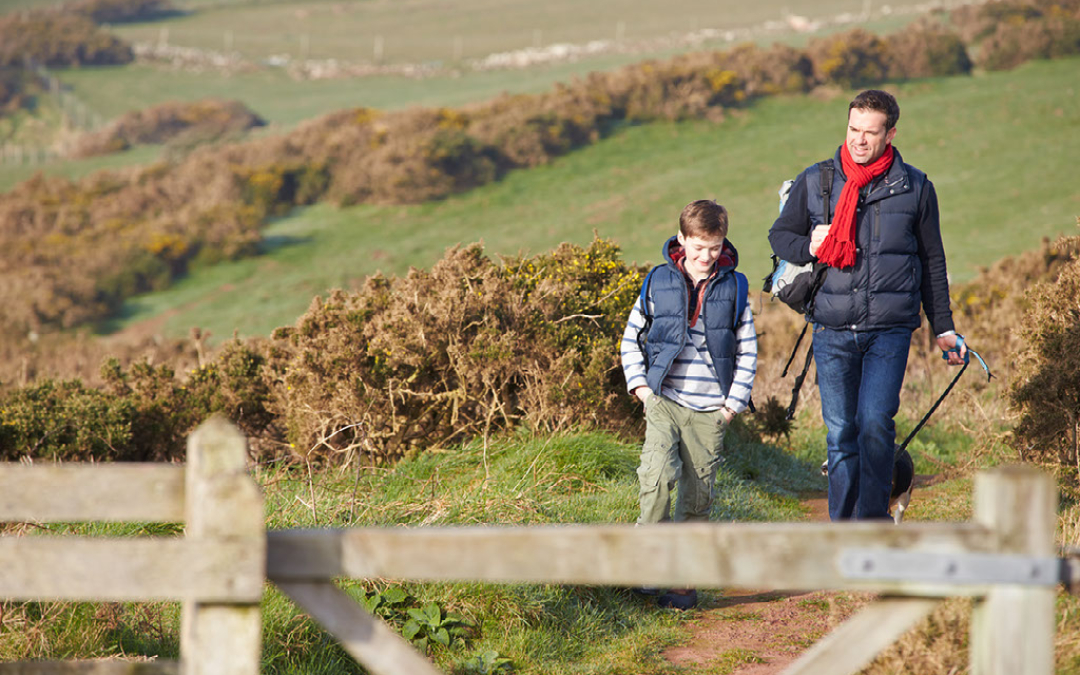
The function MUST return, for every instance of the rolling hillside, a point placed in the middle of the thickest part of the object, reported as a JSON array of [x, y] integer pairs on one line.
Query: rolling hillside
[[964, 132]]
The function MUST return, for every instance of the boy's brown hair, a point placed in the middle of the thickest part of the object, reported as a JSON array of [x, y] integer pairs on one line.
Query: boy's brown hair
[[703, 218]]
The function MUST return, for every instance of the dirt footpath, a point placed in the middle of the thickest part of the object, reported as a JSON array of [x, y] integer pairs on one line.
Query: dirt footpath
[[746, 632]]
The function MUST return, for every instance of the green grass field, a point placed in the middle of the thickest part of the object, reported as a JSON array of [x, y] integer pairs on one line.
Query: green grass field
[[337, 30], [419, 31], [997, 146]]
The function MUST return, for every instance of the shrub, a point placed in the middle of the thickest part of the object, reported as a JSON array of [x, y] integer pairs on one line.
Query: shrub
[[121, 11], [1047, 391], [851, 59], [179, 123], [58, 39], [925, 49], [779, 70], [12, 89], [443, 355], [64, 420], [142, 413], [1014, 43]]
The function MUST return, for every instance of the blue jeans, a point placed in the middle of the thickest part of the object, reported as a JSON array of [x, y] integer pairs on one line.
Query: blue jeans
[[859, 376]]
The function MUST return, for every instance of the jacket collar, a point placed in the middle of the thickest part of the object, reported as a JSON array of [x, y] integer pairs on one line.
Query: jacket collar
[[895, 181]]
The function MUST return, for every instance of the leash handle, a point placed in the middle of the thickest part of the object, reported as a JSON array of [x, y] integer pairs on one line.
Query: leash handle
[[956, 349], [967, 356], [945, 355]]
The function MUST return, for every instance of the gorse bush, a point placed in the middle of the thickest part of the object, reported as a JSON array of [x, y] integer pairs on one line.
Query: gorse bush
[[925, 49], [1047, 390], [141, 413], [468, 347], [851, 59], [1005, 34], [177, 123], [121, 11], [13, 89], [58, 39], [401, 365]]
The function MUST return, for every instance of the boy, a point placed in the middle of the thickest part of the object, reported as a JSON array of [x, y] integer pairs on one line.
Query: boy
[[692, 367]]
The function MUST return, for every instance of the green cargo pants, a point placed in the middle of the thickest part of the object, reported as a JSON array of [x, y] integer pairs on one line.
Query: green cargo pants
[[681, 446]]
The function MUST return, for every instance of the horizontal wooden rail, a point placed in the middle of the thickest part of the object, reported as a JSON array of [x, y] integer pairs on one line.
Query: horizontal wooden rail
[[102, 667], [782, 556], [151, 493], [122, 569]]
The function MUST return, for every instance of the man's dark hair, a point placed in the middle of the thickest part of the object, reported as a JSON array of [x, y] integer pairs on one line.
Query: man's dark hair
[[881, 101], [703, 217]]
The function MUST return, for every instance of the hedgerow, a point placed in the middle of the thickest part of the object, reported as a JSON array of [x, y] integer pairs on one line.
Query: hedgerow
[[121, 11], [143, 412], [58, 39], [73, 251], [180, 124]]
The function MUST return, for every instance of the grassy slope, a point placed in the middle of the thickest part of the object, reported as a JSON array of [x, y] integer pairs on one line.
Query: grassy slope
[[332, 30], [438, 31], [1002, 165]]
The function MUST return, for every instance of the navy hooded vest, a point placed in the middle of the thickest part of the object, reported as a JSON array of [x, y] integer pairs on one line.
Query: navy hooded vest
[[882, 289], [670, 307]]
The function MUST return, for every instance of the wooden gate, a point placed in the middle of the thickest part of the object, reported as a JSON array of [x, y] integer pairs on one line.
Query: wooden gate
[[1005, 559]]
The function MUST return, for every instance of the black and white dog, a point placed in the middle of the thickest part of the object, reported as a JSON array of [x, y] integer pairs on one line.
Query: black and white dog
[[903, 480]]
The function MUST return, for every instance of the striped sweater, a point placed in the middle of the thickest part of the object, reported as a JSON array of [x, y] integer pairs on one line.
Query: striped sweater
[[692, 382]]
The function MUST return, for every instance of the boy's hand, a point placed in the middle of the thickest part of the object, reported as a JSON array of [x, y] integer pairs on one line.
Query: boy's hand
[[729, 414], [642, 393], [817, 236]]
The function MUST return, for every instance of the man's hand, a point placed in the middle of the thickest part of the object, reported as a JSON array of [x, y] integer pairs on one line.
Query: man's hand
[[817, 236], [947, 342], [728, 413], [642, 393]]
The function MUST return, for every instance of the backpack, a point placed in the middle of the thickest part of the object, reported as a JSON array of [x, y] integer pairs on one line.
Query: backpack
[[797, 285]]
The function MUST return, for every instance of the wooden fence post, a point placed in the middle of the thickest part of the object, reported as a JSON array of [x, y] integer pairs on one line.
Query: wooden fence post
[[223, 504], [1012, 627]]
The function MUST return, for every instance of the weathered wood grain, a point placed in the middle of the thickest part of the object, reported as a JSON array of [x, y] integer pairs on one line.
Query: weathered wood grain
[[380, 650], [100, 667], [789, 556], [120, 569], [43, 493], [1012, 627], [223, 506], [854, 644]]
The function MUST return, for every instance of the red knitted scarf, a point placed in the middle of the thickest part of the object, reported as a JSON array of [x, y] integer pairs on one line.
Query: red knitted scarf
[[838, 248]]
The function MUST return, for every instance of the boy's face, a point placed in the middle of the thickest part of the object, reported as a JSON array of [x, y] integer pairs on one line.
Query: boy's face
[[701, 254]]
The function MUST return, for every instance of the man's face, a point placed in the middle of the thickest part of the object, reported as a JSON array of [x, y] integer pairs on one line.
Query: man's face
[[701, 254], [866, 135]]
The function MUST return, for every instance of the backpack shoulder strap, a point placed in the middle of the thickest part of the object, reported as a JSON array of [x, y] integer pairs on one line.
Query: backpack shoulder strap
[[826, 167], [644, 294], [742, 288]]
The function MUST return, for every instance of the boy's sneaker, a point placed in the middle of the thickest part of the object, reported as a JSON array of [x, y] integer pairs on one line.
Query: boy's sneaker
[[678, 598]]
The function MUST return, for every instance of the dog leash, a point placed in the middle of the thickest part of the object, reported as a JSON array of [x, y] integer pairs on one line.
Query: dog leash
[[945, 355]]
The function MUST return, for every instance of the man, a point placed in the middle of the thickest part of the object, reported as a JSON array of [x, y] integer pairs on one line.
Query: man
[[884, 258]]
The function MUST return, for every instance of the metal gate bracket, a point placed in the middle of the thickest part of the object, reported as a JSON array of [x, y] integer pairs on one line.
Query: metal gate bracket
[[949, 568]]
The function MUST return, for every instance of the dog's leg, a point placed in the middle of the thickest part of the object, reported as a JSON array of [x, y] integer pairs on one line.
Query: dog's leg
[[899, 506]]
